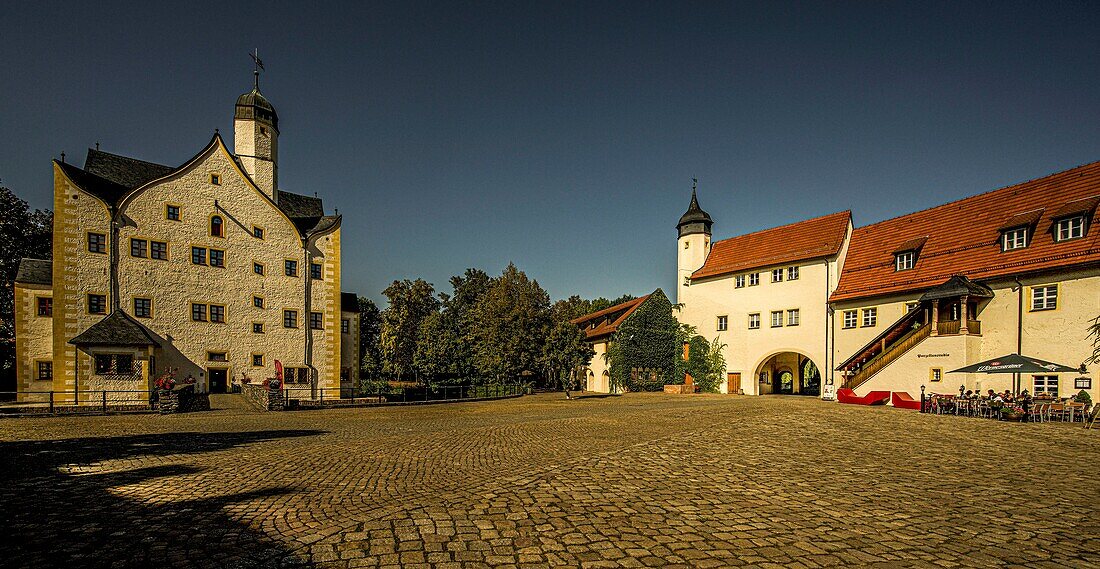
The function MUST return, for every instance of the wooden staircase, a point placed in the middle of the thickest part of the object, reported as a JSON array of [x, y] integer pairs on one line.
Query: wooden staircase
[[887, 356]]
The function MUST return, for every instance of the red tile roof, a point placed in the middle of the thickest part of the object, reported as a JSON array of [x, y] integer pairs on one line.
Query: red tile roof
[[964, 237], [809, 239], [608, 320]]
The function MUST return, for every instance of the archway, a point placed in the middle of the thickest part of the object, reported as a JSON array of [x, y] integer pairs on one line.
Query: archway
[[788, 373]]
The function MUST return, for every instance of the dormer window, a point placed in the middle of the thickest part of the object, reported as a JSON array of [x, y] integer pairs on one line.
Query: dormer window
[[1070, 228], [905, 256], [905, 260], [1015, 238]]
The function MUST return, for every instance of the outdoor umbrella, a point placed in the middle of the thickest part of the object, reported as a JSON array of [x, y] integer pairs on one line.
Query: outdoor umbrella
[[1015, 364]]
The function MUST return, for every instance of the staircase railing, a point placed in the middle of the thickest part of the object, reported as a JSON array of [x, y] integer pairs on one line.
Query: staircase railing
[[893, 352]]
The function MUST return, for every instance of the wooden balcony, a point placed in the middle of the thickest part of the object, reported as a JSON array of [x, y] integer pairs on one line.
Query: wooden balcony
[[953, 327]]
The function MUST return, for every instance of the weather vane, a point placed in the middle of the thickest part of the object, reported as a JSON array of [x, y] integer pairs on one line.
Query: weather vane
[[257, 67]]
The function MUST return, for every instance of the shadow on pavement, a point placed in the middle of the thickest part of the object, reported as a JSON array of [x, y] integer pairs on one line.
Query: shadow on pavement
[[59, 510]]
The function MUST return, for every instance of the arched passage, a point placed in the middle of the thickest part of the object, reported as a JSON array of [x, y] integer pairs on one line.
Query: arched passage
[[789, 373]]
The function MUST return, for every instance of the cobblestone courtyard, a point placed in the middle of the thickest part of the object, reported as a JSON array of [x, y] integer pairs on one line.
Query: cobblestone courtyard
[[640, 480]]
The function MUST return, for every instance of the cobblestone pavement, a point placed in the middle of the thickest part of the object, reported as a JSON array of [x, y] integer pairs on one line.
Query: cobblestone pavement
[[643, 480]]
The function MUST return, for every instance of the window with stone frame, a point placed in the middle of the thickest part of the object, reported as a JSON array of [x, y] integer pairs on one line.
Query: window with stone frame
[[97, 304], [754, 279], [45, 306], [257, 232], [290, 318], [217, 226], [172, 212], [870, 317], [1044, 297], [258, 301], [315, 271], [316, 320], [290, 268], [777, 318], [723, 323], [143, 307], [793, 317], [777, 275], [739, 281], [198, 312], [258, 268], [158, 250], [217, 258], [792, 273], [97, 242], [257, 360], [217, 313], [45, 371], [257, 327], [139, 248], [198, 255], [754, 321], [851, 319], [345, 326], [1045, 384]]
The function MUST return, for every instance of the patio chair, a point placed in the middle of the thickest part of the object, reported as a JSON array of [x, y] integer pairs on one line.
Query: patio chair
[[1056, 411], [1093, 416], [985, 410], [1037, 413], [1075, 410]]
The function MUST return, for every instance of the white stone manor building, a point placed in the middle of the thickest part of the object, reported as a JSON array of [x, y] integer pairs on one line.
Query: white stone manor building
[[208, 269]]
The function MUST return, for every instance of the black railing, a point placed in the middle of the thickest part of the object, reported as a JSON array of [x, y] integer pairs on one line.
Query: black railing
[[99, 402], [312, 396]]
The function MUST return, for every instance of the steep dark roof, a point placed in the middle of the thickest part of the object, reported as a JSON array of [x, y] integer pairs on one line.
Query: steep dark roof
[[606, 322], [123, 170], [957, 286], [35, 271], [297, 205], [117, 329], [107, 191], [349, 302]]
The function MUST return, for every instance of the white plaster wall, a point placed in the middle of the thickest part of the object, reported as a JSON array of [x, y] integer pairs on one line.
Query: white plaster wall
[[746, 349]]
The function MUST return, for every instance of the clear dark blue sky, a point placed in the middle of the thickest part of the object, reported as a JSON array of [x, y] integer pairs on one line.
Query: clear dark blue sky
[[563, 136]]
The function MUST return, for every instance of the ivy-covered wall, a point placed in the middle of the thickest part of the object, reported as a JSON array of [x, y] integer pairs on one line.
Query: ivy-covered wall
[[647, 339]]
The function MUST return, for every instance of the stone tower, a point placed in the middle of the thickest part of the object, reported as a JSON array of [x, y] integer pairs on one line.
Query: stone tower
[[256, 138], [693, 244]]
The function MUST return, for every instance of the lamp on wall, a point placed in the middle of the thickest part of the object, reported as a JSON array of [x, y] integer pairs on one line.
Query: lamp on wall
[[1084, 369]]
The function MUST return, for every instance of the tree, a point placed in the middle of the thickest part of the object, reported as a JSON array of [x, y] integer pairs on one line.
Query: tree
[[565, 348], [458, 320], [510, 326], [439, 350], [410, 303], [23, 233], [370, 330]]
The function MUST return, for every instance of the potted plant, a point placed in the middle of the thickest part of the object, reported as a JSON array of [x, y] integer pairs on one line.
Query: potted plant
[[1012, 412]]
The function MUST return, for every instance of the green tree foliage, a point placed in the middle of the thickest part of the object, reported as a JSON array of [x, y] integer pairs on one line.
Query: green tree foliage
[[23, 233], [648, 339], [440, 352], [511, 322], [370, 331], [565, 349], [410, 303]]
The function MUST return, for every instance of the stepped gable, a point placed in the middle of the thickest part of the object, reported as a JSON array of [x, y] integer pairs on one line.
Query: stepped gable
[[804, 240], [964, 237]]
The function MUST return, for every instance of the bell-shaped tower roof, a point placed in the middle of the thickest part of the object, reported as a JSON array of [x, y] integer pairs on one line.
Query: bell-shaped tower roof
[[254, 106], [694, 220]]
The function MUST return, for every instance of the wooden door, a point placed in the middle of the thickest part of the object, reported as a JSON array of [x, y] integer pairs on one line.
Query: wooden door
[[733, 382]]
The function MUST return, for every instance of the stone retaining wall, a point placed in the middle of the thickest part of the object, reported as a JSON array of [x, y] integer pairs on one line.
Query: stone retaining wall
[[263, 398]]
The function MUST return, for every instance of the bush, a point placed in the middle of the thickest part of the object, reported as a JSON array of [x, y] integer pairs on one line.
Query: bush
[[1083, 397]]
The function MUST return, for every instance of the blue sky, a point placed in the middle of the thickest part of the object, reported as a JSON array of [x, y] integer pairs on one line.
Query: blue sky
[[563, 136]]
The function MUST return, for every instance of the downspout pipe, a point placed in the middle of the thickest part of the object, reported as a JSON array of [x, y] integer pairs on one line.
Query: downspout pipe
[[828, 328], [1019, 328]]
